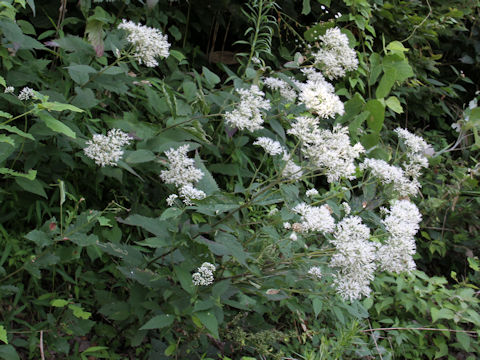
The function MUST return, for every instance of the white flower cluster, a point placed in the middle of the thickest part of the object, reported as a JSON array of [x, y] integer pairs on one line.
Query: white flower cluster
[[315, 271], [106, 150], [417, 151], [270, 146], [311, 192], [355, 258], [26, 93], [286, 91], [247, 114], [149, 43], [315, 218], [204, 275], [291, 170], [336, 57], [391, 174], [327, 150], [9, 90], [319, 96], [183, 174], [402, 223]]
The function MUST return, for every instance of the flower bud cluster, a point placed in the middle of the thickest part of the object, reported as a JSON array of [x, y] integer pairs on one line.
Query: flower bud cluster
[[204, 275], [107, 150]]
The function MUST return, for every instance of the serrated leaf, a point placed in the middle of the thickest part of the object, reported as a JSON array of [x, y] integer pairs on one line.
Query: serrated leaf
[[56, 125], [78, 312], [377, 115], [207, 183], [208, 319], [211, 78], [171, 212], [59, 303], [30, 175], [159, 322], [443, 313], [3, 334], [56, 106], [464, 340], [80, 73], [8, 352], [34, 186], [39, 237], [15, 130]]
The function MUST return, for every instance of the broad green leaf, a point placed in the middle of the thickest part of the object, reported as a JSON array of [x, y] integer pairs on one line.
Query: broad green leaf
[[94, 349], [393, 103], [443, 313], [153, 225], [464, 340], [8, 352], [59, 303], [5, 115], [82, 239], [139, 156], [3, 334], [2, 81], [211, 78], [386, 83], [56, 125], [396, 46], [79, 312], [306, 7], [7, 139], [34, 186], [15, 130], [39, 237], [159, 322], [80, 73], [207, 183], [171, 212], [30, 175], [377, 115], [233, 245], [56, 106], [185, 278], [177, 55], [317, 306], [208, 319]]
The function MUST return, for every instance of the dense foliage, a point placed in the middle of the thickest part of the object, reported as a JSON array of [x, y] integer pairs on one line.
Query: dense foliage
[[303, 185]]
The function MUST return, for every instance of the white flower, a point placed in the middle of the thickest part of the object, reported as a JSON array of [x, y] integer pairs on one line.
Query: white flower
[[319, 96], [107, 150], [26, 93], [182, 168], [315, 271], [293, 236], [273, 211], [171, 199], [311, 192], [329, 151], [336, 57], [389, 174], [291, 170], [315, 218], [286, 91], [204, 275], [270, 146], [9, 90], [149, 43], [346, 208], [247, 114], [354, 258], [287, 225], [188, 193], [415, 144], [402, 223]]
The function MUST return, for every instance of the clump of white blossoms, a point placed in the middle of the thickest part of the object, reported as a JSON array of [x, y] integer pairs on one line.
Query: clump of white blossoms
[[291, 170], [319, 96], [9, 90], [107, 150], [315, 271], [148, 43], [335, 57], [417, 151], [286, 91], [327, 150], [183, 174], [402, 223], [204, 275], [26, 93], [354, 258], [247, 114], [270, 146], [391, 174], [315, 218], [311, 192]]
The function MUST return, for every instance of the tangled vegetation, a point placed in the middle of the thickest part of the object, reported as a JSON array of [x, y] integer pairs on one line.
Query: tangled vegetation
[[301, 185]]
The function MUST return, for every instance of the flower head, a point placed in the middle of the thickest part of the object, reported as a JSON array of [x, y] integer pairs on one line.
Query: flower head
[[270, 146], [149, 43], [26, 93], [204, 275], [107, 150]]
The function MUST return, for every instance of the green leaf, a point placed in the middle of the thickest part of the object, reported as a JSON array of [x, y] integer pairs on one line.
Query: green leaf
[[208, 319], [139, 156], [39, 237], [78, 312], [153, 225], [55, 124], [30, 175], [443, 313], [7, 139], [233, 245], [317, 306], [207, 183], [393, 103], [306, 7], [159, 322], [5, 115], [33, 186], [80, 73], [82, 239], [56, 106], [211, 78], [464, 340], [3, 334], [377, 115], [8, 352], [386, 83], [177, 55], [171, 212], [396, 46], [59, 303], [185, 278], [320, 29], [15, 130]]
